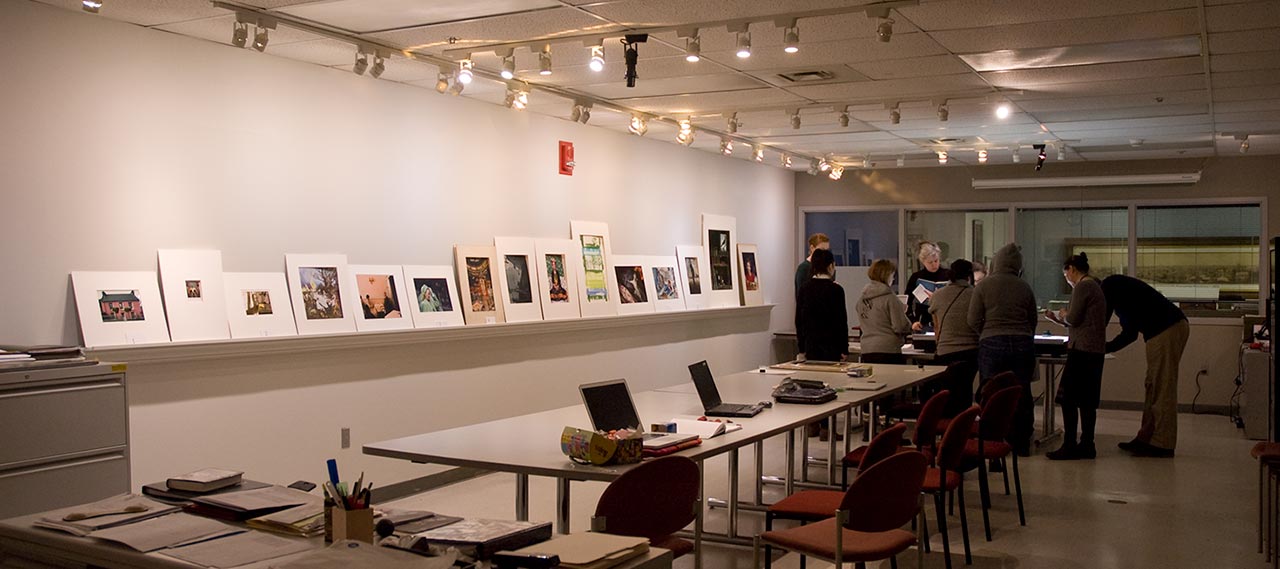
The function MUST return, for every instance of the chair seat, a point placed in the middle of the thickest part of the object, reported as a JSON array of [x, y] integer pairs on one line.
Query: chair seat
[[926, 451], [1266, 451], [808, 505], [990, 449], [818, 539], [945, 422], [854, 458], [678, 546], [934, 483]]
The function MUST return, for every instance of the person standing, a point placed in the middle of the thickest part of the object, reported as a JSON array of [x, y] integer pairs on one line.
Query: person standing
[[1081, 387], [1003, 313], [957, 341], [882, 317], [816, 241], [1142, 309], [930, 257], [822, 321]]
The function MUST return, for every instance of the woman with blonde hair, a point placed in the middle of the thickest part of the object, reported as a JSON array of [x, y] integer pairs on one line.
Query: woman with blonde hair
[[930, 256], [883, 317]]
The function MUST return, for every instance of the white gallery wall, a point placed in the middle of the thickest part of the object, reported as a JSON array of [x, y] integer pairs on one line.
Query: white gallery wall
[[119, 141]]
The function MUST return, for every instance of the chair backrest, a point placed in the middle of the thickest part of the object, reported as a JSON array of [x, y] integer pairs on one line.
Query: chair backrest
[[951, 453], [997, 414], [1002, 380], [652, 500], [927, 424], [887, 495], [883, 446]]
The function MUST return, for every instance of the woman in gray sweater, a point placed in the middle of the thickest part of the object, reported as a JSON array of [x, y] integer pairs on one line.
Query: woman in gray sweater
[[1003, 313], [882, 317], [957, 341], [1081, 387]]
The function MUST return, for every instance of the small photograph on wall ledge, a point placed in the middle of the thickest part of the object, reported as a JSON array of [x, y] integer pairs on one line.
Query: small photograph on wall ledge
[[258, 305], [635, 289], [324, 297], [692, 264], [476, 266], [434, 296], [517, 280], [752, 294], [381, 292], [665, 282], [597, 282], [557, 282], [719, 237], [119, 308], [194, 302]]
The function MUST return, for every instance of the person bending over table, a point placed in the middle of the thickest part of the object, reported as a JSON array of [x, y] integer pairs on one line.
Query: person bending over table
[[1003, 313], [1081, 387], [822, 321], [882, 317], [957, 341], [1142, 309], [930, 256]]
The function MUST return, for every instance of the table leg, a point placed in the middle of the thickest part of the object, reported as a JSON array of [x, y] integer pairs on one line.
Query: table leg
[[804, 461], [831, 451], [522, 497], [759, 473], [562, 505], [873, 418], [733, 493], [1050, 386], [848, 430], [791, 462], [698, 519]]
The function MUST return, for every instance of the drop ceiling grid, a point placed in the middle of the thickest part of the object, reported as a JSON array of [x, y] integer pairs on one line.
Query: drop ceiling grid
[[368, 16], [960, 14], [1245, 61], [148, 12], [1071, 32], [218, 29], [656, 13], [547, 24]]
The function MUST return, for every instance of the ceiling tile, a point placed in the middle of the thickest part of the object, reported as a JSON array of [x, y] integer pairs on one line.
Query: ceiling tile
[[1029, 78], [1164, 110], [544, 24], [961, 14], [1137, 154], [1236, 17], [1153, 86], [711, 102], [1071, 32], [1245, 106], [1108, 103], [218, 29], [916, 87], [648, 86], [1245, 61], [1267, 39], [1249, 126], [1246, 93], [1242, 117], [366, 16], [1246, 78], [911, 67], [149, 12], [1128, 133], [1136, 123], [655, 13], [830, 53]]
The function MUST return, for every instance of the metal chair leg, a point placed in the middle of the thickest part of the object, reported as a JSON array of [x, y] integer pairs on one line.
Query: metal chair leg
[[1004, 466], [984, 493], [1017, 486], [964, 524], [942, 527]]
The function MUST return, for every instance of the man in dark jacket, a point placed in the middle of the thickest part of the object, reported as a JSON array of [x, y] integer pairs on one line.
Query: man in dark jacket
[[1142, 309]]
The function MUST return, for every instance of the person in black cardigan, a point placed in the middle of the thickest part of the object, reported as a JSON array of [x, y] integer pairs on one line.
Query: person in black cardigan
[[822, 322], [930, 257]]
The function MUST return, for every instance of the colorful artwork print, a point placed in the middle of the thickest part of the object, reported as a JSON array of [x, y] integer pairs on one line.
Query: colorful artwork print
[[749, 279], [593, 267], [321, 297], [256, 302], [194, 290], [120, 306], [695, 279], [433, 295], [378, 298], [519, 289], [631, 284], [480, 284], [664, 283], [721, 271], [555, 276]]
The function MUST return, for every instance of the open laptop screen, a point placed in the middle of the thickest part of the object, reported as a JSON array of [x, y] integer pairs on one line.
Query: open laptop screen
[[706, 384], [610, 406]]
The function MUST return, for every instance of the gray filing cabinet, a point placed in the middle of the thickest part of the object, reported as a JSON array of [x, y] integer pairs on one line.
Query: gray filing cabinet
[[66, 437]]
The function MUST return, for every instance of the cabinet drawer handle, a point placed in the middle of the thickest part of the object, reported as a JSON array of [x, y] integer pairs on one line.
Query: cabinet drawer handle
[[57, 390], [61, 466]]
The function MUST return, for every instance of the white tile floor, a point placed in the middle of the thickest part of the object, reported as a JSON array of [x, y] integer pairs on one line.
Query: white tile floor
[[1195, 510]]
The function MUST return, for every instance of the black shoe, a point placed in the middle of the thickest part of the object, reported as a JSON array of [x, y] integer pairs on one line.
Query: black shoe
[[1149, 451], [1064, 452], [1131, 445]]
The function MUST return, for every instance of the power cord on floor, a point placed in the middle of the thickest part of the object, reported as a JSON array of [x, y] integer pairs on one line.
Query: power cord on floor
[[1197, 395]]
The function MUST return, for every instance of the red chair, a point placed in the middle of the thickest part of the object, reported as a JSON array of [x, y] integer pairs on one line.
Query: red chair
[[947, 478], [816, 505], [1002, 380], [654, 500], [923, 438], [994, 424], [866, 523]]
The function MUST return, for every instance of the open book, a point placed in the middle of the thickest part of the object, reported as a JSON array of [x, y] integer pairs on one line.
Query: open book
[[704, 429], [924, 290]]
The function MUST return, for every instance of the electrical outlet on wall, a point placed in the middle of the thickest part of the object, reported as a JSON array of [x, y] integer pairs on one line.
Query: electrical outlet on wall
[[346, 437]]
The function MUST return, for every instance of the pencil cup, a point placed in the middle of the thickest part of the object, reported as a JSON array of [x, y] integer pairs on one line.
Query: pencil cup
[[353, 524]]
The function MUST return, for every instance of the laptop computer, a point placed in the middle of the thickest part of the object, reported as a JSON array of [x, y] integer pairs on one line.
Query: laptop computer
[[610, 406], [711, 404]]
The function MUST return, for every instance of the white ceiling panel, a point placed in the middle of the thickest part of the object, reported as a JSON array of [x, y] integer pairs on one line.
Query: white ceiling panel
[[831, 53], [1028, 78], [1245, 61], [545, 24], [1137, 154], [648, 86], [1267, 39], [218, 29], [912, 67], [1246, 78], [1164, 110], [710, 102], [1260, 116], [1154, 86], [1139, 123], [1247, 93], [962, 14], [1236, 17], [1109, 103], [364, 16], [1249, 126], [1072, 32], [655, 13], [926, 87], [320, 52], [1246, 106], [149, 12]]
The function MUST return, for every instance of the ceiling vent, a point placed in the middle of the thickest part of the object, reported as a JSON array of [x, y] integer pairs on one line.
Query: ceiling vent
[[808, 76]]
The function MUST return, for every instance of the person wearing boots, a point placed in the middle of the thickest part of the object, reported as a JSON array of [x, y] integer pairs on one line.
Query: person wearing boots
[[1081, 387], [1003, 312]]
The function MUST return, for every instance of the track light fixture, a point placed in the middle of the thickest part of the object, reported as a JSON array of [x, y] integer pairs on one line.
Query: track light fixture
[[791, 39], [837, 171], [895, 115], [240, 34], [517, 98], [731, 124], [457, 86], [843, 119], [726, 147], [693, 49], [508, 64], [581, 112], [685, 136], [823, 165], [465, 74], [1040, 156], [379, 66], [757, 154], [884, 32], [544, 60], [639, 125], [744, 44], [1244, 143], [91, 6], [597, 58], [795, 119], [786, 160], [260, 39], [942, 156], [943, 112], [1017, 155], [902, 161], [815, 167], [1002, 111], [982, 156], [1062, 152], [442, 82], [631, 56], [362, 63]]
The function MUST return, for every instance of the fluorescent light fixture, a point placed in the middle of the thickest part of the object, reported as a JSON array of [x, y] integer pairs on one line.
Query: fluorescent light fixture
[[91, 6], [1002, 111], [544, 61], [464, 72], [260, 39], [744, 45], [597, 59], [509, 67], [1087, 181], [693, 49], [1090, 54], [791, 39], [639, 125]]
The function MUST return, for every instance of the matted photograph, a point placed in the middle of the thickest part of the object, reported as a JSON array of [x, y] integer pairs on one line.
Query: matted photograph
[[323, 293], [692, 264], [749, 277], [194, 300], [517, 278], [477, 276], [719, 241], [597, 282], [258, 305], [695, 275], [634, 284], [664, 283], [556, 278], [381, 292], [434, 296], [119, 308], [752, 291]]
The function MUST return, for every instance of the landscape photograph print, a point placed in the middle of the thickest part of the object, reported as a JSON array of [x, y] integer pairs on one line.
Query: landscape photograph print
[[321, 297], [721, 268], [480, 284]]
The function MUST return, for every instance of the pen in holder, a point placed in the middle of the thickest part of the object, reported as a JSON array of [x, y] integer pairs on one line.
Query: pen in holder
[[348, 515], [353, 524]]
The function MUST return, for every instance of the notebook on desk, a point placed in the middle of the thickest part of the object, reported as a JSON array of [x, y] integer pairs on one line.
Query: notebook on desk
[[610, 406], [712, 405]]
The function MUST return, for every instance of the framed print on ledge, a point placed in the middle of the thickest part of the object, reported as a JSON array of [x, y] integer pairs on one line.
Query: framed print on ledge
[[324, 302], [665, 282], [749, 275], [194, 301], [433, 298], [119, 308], [518, 282], [692, 263], [476, 266], [719, 235], [557, 280], [596, 282], [382, 296], [635, 284], [258, 305]]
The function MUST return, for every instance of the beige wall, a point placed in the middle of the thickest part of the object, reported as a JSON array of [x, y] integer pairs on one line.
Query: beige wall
[[1214, 343]]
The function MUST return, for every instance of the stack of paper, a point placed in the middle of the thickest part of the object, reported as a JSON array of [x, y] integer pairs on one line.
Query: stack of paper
[[346, 554], [590, 550], [96, 516], [171, 530], [251, 503], [306, 520], [239, 549]]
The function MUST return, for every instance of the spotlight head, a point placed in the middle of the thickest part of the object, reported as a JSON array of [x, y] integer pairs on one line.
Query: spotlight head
[[631, 56], [726, 147], [943, 113], [795, 120], [91, 6], [639, 125], [442, 83], [586, 114], [1040, 156], [837, 171], [844, 119], [1062, 152], [240, 34], [786, 161], [362, 63], [544, 61], [693, 49], [457, 86], [517, 99], [895, 116], [884, 32], [1244, 145], [982, 156], [1017, 155], [823, 165], [942, 156], [260, 39], [575, 114], [597, 59], [744, 45], [379, 66], [509, 67], [732, 124], [685, 136], [902, 161], [791, 40], [464, 72], [757, 154], [1002, 111]]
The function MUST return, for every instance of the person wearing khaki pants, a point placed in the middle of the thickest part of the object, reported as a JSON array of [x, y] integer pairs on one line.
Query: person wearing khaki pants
[[1142, 309]]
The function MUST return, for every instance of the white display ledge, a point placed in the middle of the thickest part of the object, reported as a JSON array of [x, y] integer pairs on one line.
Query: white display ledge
[[186, 351]]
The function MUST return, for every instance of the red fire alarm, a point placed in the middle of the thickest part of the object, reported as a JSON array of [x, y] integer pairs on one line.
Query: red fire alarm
[[566, 158]]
